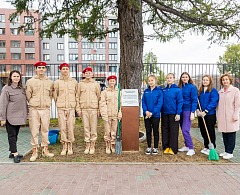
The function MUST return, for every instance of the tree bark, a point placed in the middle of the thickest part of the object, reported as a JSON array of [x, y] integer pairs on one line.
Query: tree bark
[[131, 44]]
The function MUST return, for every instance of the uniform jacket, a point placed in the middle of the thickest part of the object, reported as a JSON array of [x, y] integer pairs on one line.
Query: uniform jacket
[[172, 100], [108, 104], [13, 105], [64, 93], [39, 92], [228, 109], [190, 96], [209, 101], [88, 94], [152, 101]]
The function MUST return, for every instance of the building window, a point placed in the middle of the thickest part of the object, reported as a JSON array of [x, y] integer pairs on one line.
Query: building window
[[16, 20], [46, 57], [14, 31], [2, 18], [73, 57], [29, 68], [16, 56], [95, 45], [2, 56], [17, 67], [59, 36], [112, 57], [95, 57], [112, 35], [112, 68], [60, 46], [45, 45], [112, 45], [2, 43], [73, 45], [29, 32], [60, 57], [29, 44], [2, 31], [29, 29], [112, 22], [30, 56], [15, 43]]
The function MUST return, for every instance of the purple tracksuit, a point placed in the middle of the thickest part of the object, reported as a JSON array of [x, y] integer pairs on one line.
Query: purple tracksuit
[[185, 124]]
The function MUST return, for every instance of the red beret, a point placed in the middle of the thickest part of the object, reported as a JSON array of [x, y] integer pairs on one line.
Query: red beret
[[112, 77], [40, 64], [88, 69], [63, 64]]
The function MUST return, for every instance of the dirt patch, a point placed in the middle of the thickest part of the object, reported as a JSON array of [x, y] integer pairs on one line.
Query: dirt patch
[[101, 156]]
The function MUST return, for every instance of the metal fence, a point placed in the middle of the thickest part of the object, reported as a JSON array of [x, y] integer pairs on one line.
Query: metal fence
[[103, 70]]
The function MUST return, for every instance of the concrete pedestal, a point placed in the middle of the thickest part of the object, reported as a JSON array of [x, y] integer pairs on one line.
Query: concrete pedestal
[[130, 129]]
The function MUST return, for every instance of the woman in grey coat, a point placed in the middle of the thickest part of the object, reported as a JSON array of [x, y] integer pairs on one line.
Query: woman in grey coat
[[13, 110]]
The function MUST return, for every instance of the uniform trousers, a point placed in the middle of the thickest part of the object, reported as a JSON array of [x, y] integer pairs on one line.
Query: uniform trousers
[[39, 118], [152, 124], [110, 130], [210, 123], [12, 131], [66, 121], [89, 119], [185, 124], [229, 140], [170, 131]]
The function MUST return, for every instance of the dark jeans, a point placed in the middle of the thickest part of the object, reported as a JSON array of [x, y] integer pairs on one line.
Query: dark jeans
[[170, 131], [229, 140], [152, 124], [210, 122], [12, 131]]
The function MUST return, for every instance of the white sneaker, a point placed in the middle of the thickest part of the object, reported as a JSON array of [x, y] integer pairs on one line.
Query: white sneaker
[[190, 152], [205, 151], [222, 154], [184, 149], [228, 156]]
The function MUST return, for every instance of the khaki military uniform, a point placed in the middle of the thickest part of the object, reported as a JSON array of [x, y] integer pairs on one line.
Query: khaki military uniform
[[64, 94], [109, 111], [87, 98], [39, 95]]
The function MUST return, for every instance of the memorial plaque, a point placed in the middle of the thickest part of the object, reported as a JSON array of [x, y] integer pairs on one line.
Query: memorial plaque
[[130, 97]]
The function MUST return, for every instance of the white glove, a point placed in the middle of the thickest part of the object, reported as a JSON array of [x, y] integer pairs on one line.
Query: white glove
[[192, 117], [203, 114], [177, 117], [198, 113]]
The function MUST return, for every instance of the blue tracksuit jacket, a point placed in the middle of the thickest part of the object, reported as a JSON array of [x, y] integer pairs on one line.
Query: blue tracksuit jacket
[[172, 100], [152, 101], [190, 95], [209, 101]]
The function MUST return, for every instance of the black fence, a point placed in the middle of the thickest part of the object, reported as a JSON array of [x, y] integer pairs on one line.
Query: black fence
[[103, 70]]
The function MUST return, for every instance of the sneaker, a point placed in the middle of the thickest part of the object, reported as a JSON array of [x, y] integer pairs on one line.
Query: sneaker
[[148, 151], [222, 154], [190, 152], [227, 156], [155, 151], [166, 151], [184, 149], [170, 151], [205, 151]]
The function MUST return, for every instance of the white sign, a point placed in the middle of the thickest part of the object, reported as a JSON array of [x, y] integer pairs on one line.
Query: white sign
[[130, 97]]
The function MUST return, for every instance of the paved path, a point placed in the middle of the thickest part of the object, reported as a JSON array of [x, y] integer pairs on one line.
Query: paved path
[[120, 179], [219, 143], [23, 143]]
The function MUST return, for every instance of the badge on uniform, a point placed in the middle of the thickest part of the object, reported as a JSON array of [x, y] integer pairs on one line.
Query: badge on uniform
[[26, 87], [100, 98], [53, 89]]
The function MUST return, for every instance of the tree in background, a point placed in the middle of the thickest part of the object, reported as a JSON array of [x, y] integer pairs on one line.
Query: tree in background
[[230, 60], [169, 18], [150, 65]]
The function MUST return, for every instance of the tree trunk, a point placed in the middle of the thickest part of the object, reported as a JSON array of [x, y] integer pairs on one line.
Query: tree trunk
[[131, 44]]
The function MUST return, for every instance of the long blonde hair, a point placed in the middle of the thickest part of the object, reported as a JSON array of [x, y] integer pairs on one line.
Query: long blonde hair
[[180, 83]]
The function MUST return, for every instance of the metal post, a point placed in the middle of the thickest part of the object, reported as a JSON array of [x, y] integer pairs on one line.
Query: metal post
[[151, 68], [224, 68]]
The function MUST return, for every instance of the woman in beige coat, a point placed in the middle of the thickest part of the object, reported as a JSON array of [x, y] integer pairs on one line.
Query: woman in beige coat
[[228, 114]]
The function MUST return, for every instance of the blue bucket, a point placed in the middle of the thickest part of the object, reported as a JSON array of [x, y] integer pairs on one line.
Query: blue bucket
[[53, 136]]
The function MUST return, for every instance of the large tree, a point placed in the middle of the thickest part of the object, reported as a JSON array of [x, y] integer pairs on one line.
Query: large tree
[[219, 19]]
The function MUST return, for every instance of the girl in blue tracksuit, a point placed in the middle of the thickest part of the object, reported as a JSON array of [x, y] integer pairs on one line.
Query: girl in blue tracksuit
[[151, 104], [208, 98], [171, 110], [190, 95]]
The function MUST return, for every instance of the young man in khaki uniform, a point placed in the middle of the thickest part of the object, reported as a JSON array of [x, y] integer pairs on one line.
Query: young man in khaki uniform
[[109, 110], [88, 108], [64, 94], [39, 95]]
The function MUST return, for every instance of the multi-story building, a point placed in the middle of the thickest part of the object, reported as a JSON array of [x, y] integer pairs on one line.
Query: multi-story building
[[18, 48]]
